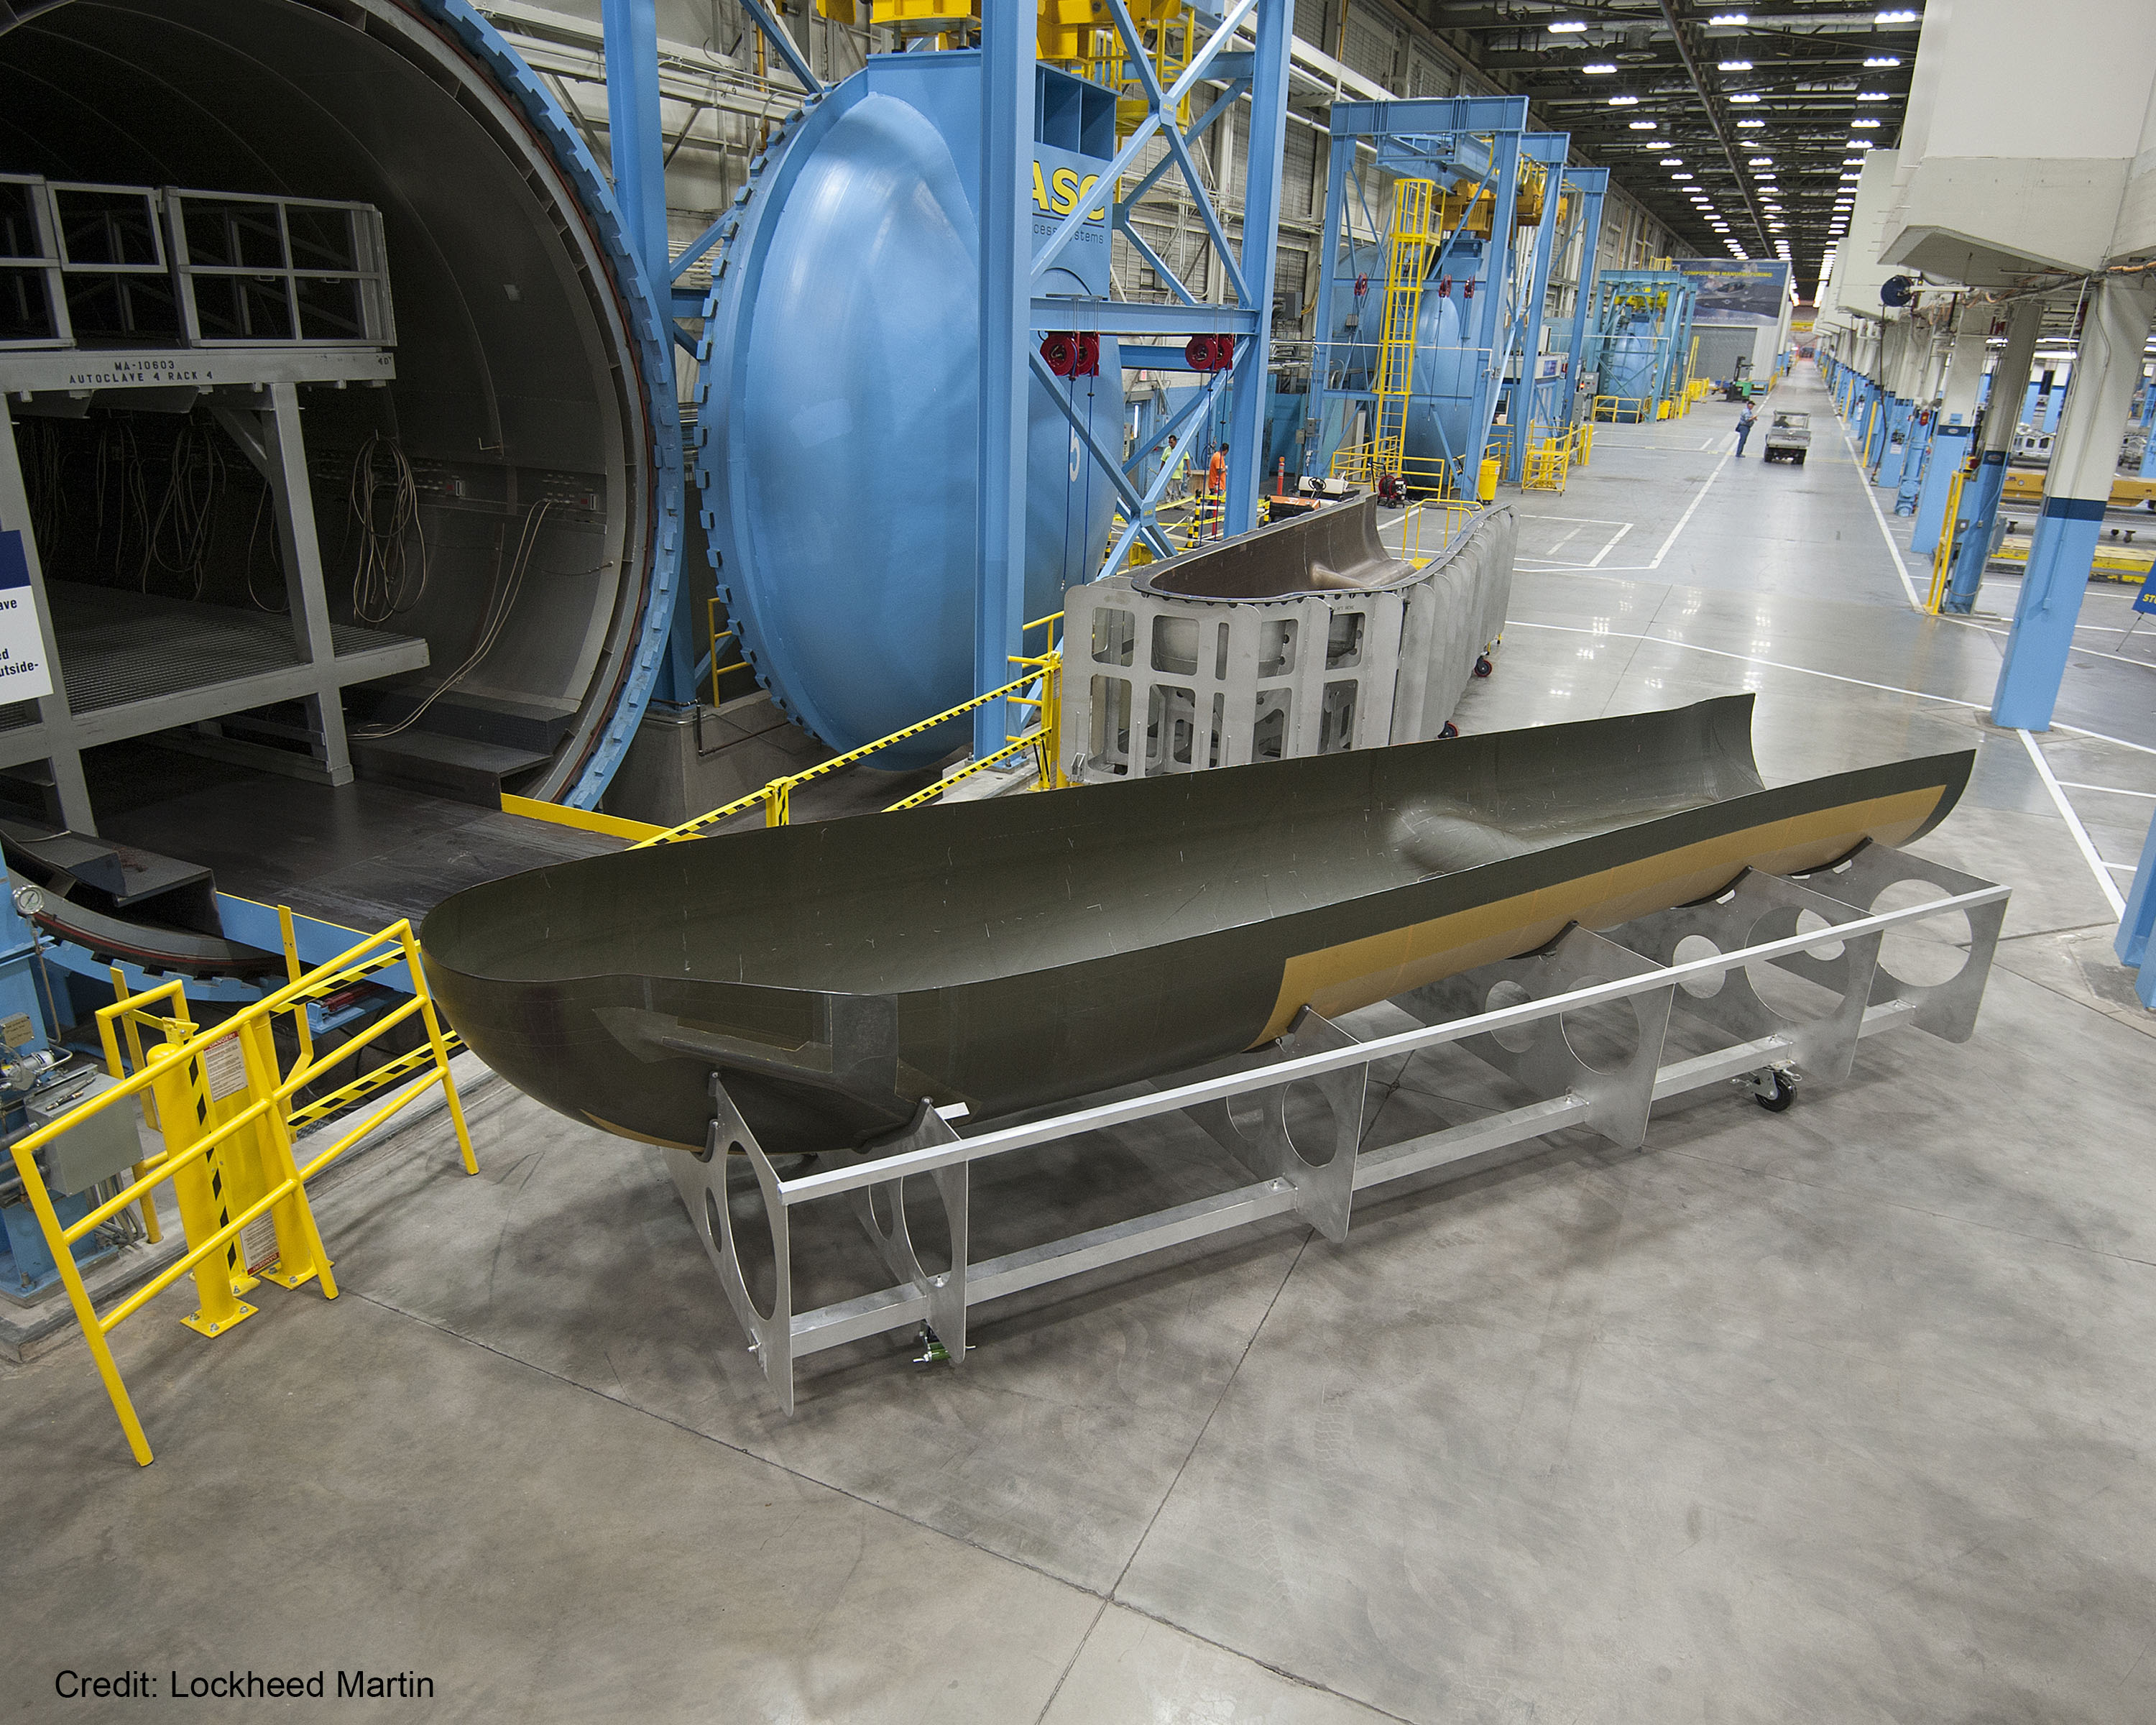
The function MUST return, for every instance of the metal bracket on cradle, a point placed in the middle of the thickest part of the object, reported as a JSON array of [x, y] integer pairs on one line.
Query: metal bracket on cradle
[[1540, 1055], [700, 1178], [1325, 1191]]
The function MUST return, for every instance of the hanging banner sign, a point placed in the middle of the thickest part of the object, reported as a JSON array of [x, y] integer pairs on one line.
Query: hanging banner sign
[[23, 672]]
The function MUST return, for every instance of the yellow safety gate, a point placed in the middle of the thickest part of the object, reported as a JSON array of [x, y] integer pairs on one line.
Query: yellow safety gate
[[222, 1103]]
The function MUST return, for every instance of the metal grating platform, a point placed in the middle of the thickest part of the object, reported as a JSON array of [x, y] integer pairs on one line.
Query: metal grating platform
[[119, 647]]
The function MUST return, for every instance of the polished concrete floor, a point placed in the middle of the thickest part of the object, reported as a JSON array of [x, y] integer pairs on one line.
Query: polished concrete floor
[[1839, 1414]]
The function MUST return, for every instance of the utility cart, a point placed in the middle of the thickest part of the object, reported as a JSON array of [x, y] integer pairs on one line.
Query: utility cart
[[1788, 435]]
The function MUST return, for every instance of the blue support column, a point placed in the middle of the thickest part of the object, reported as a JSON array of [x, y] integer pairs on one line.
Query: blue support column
[[2136, 927], [1887, 452], [1914, 452], [634, 136], [1955, 426], [1261, 201], [2149, 426], [1980, 496], [636, 149], [1949, 452], [1007, 80], [1978, 512], [2084, 459]]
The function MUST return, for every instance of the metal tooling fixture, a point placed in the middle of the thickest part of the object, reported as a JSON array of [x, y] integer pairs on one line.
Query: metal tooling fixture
[[1479, 147], [1641, 342], [1305, 637], [847, 518], [537, 390], [950, 959]]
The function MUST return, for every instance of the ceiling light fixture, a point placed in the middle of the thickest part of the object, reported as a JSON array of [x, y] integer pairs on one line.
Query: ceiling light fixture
[[1731, 17], [1568, 27], [1864, 122], [1744, 96], [1680, 176], [1646, 125], [1761, 162], [1900, 17], [1598, 69], [1751, 122], [1622, 101], [1732, 65], [1871, 96], [1884, 59], [1673, 161]]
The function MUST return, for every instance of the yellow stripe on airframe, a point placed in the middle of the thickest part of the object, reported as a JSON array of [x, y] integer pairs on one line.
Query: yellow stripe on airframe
[[623, 1132], [1360, 972]]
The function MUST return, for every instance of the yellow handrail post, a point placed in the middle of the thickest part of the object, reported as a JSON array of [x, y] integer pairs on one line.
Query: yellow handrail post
[[206, 1184], [293, 971], [436, 1041], [300, 1254]]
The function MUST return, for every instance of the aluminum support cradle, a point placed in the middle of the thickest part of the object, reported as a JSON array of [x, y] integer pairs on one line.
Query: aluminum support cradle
[[1822, 926]]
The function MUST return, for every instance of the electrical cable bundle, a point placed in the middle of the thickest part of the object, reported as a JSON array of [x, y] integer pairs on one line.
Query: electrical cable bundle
[[386, 504], [500, 601], [178, 539], [44, 477], [118, 489], [277, 558]]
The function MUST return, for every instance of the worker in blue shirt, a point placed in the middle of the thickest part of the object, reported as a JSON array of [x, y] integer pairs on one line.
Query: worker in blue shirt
[[1745, 422]]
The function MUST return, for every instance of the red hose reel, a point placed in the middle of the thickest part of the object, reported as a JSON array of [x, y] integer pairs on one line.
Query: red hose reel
[[1210, 353], [1072, 353]]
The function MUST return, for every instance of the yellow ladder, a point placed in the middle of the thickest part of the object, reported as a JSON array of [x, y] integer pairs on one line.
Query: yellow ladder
[[1410, 246]]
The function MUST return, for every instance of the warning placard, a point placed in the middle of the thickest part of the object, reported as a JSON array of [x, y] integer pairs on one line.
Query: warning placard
[[225, 1068], [23, 672]]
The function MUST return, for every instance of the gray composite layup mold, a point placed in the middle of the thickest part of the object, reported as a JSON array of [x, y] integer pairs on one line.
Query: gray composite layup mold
[[1022, 951]]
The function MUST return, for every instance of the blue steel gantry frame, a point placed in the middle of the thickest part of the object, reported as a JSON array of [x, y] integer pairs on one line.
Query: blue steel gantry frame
[[1591, 185], [1483, 140], [1008, 344], [1672, 328]]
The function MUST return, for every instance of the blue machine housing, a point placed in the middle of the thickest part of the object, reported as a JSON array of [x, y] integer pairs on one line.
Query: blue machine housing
[[1441, 403], [26, 1263], [839, 389]]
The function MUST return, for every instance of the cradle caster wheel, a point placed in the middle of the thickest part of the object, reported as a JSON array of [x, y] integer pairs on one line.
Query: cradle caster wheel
[[1482, 666], [1773, 1089]]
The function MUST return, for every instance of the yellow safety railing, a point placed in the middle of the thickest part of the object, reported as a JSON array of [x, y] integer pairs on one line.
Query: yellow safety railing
[[1434, 522], [1429, 476], [1621, 409], [224, 1106], [1044, 668], [717, 636], [1942, 552], [1551, 458]]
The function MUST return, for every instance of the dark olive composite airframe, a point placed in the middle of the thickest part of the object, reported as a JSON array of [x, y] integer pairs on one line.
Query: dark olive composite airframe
[[1026, 950]]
